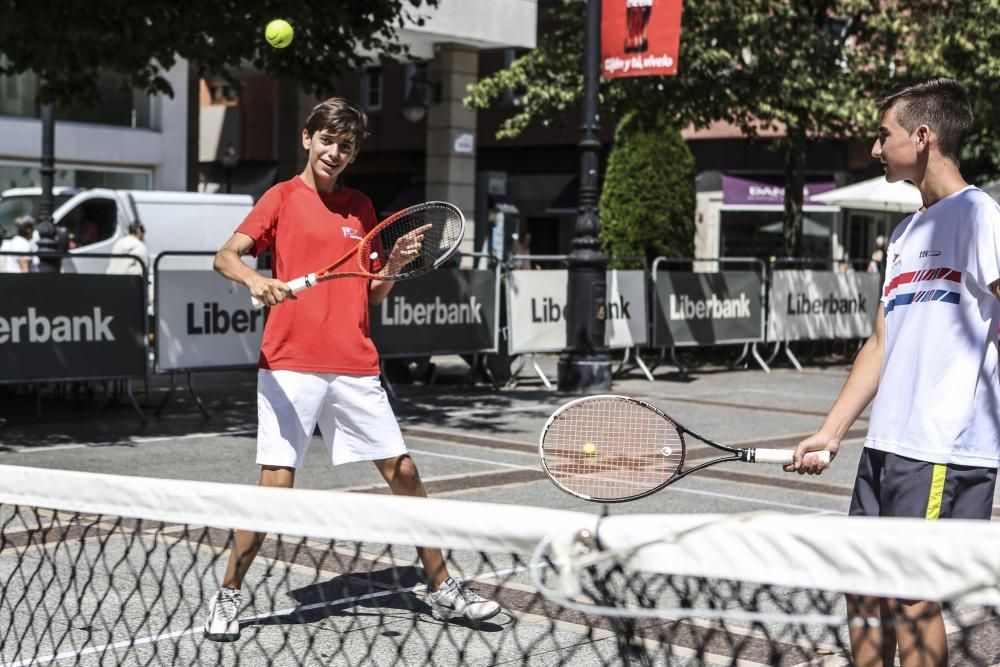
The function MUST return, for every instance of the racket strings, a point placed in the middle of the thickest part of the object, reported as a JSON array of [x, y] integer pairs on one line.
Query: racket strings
[[611, 449], [442, 228]]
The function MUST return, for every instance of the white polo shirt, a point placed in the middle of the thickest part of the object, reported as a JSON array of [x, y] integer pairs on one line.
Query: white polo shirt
[[938, 398]]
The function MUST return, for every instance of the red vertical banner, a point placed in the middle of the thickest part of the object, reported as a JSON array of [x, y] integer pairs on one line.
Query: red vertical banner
[[640, 37]]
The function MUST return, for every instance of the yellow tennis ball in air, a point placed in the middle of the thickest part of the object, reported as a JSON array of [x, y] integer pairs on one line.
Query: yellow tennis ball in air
[[589, 449], [279, 33]]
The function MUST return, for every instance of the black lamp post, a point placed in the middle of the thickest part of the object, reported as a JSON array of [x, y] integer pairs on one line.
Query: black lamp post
[[585, 365], [50, 239], [230, 160]]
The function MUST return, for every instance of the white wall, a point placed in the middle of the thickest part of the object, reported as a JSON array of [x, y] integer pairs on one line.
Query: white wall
[[483, 24]]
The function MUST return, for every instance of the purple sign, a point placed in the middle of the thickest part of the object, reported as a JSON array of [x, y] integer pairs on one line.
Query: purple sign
[[744, 192]]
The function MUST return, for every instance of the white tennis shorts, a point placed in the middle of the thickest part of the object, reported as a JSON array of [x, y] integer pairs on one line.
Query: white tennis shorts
[[353, 413]]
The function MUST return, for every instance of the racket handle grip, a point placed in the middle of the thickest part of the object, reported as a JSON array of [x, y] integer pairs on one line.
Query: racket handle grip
[[784, 456], [296, 285]]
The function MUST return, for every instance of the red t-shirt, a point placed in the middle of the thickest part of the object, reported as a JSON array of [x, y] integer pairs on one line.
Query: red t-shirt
[[326, 328]]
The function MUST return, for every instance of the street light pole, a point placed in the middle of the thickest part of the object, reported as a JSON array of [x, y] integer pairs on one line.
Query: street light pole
[[585, 365], [49, 238]]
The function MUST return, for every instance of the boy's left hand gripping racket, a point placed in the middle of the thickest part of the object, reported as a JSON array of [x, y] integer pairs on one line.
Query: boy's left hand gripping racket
[[413, 241], [611, 449]]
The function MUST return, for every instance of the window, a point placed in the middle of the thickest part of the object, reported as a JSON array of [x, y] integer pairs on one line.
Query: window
[[371, 89], [119, 104], [92, 221], [12, 208]]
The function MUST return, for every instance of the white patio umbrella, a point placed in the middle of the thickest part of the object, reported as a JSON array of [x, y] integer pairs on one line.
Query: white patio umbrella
[[874, 195]]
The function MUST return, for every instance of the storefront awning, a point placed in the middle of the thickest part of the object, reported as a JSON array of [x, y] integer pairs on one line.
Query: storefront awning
[[742, 192], [875, 195]]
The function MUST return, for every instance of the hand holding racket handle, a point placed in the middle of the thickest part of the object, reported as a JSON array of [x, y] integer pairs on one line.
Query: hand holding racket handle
[[783, 456], [297, 285]]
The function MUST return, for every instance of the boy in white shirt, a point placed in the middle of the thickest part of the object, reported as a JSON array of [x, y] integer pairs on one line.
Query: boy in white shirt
[[933, 444]]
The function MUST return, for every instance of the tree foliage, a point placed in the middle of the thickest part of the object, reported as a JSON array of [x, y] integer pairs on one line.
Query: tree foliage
[[809, 67], [962, 40], [69, 44], [648, 201]]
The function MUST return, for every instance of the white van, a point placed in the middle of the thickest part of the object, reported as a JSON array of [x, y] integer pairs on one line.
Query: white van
[[96, 218]]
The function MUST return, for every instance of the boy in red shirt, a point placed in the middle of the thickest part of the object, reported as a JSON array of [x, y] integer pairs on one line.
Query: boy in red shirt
[[318, 364]]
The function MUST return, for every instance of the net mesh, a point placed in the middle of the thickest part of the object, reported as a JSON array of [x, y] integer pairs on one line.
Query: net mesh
[[420, 239], [126, 578]]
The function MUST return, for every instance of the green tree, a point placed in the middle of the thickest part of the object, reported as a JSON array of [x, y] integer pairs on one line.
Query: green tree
[[962, 40], [808, 67], [648, 201], [69, 44]]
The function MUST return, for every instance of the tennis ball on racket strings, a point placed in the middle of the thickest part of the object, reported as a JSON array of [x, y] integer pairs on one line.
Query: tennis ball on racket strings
[[589, 449], [279, 33]]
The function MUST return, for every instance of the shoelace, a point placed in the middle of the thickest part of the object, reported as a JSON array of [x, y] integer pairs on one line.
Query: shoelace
[[469, 596], [229, 604]]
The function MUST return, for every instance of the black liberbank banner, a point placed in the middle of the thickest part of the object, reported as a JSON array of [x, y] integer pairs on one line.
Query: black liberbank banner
[[443, 312], [71, 326], [707, 308]]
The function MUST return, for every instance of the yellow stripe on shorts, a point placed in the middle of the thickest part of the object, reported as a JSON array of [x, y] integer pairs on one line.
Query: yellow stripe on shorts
[[937, 492]]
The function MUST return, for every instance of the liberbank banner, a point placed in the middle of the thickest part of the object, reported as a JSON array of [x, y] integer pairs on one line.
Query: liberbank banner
[[536, 310], [443, 312], [205, 321], [71, 326], [640, 37], [821, 305], [707, 308]]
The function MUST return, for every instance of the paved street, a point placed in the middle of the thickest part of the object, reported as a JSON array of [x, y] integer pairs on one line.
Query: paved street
[[471, 443]]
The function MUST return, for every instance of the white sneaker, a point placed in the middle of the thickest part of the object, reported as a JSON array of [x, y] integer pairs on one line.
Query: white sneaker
[[454, 599], [222, 624]]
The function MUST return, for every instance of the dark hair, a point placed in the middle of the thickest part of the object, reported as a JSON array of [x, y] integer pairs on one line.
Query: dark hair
[[338, 116], [24, 221], [134, 227], [940, 103]]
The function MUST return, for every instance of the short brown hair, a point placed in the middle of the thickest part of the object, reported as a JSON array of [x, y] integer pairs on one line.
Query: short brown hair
[[338, 116], [940, 103]]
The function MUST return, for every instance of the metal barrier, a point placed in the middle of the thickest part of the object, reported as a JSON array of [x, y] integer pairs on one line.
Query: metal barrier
[[75, 327], [537, 304], [697, 316], [806, 303]]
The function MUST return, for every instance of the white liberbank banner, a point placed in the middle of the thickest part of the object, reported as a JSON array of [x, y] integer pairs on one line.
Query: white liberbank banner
[[205, 321], [536, 310], [821, 305]]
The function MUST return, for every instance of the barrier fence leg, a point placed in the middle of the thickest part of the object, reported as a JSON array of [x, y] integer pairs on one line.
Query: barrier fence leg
[[621, 364], [677, 362], [791, 357], [774, 352], [739, 359], [642, 365], [197, 398], [170, 393], [135, 403], [517, 364], [760, 361], [540, 372]]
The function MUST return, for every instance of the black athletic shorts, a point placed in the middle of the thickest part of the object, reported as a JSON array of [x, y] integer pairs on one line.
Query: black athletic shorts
[[893, 485]]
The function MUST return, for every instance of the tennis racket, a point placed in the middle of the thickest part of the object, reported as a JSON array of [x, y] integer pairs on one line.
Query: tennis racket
[[415, 240], [610, 449]]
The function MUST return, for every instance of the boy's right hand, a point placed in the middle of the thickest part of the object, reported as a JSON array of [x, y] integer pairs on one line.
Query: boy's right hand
[[804, 464], [269, 291]]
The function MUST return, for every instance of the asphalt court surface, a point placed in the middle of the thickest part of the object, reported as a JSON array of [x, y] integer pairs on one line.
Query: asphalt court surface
[[469, 442]]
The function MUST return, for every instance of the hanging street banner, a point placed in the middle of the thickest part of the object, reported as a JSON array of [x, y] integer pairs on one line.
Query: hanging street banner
[[640, 37]]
